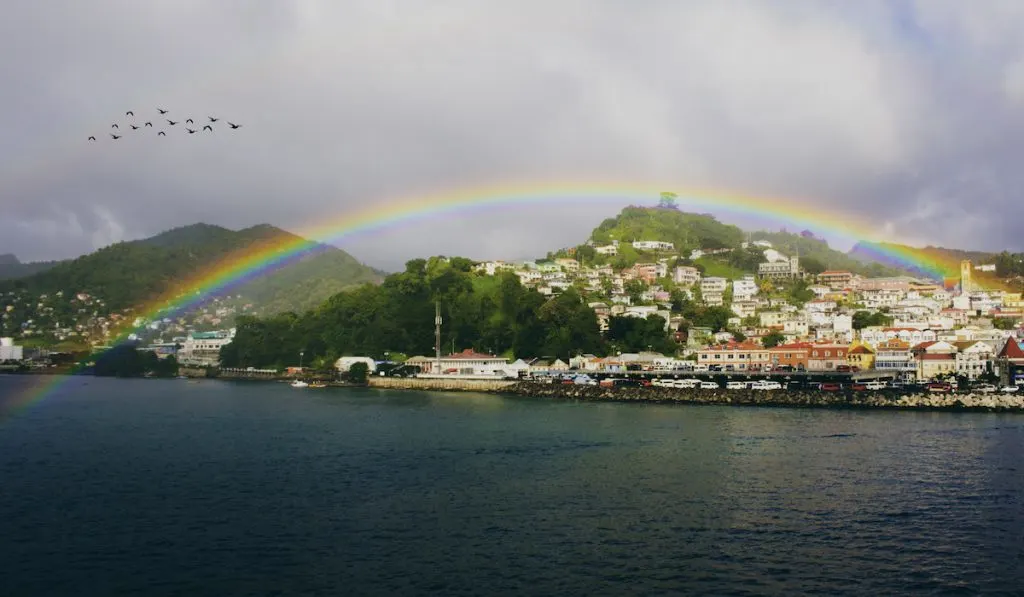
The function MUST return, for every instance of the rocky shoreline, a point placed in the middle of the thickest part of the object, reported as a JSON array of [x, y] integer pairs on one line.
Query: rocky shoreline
[[778, 398]]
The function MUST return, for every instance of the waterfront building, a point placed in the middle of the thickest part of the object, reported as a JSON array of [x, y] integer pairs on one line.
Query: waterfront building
[[467, 362], [9, 351], [894, 356], [861, 356], [934, 359], [827, 357], [794, 354], [203, 348], [973, 358], [735, 356]]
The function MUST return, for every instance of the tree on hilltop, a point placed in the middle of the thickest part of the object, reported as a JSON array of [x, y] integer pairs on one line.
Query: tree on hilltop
[[668, 201]]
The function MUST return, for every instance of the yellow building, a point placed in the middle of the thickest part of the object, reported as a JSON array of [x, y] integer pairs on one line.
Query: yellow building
[[861, 356]]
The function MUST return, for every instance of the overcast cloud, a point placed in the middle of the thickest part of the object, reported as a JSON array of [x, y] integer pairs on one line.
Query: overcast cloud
[[908, 113]]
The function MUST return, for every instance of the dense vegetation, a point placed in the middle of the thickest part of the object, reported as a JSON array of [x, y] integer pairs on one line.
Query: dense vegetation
[[686, 231], [489, 314], [126, 361], [128, 274]]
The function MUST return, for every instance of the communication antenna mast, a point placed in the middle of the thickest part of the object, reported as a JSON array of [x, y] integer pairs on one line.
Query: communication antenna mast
[[437, 336]]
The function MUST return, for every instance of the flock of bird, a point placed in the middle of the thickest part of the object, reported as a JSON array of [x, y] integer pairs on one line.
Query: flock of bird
[[135, 126]]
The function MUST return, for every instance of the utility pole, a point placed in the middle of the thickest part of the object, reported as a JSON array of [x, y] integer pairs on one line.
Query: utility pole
[[437, 336]]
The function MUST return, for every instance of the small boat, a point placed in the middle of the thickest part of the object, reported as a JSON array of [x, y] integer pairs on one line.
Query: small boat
[[298, 383], [318, 384]]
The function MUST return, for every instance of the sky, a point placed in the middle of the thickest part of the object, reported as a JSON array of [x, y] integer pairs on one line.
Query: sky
[[907, 114]]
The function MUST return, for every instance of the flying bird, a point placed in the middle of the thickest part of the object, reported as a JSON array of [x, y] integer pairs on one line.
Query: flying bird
[[135, 128], [190, 131], [208, 128], [113, 126], [149, 124], [161, 111], [189, 121], [212, 119], [171, 122], [161, 133], [234, 126], [115, 136], [92, 138], [129, 113]]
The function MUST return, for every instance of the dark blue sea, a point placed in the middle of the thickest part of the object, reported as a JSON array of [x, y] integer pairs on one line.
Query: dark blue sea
[[144, 487]]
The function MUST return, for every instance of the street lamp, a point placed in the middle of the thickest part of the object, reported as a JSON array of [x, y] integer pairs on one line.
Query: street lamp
[[302, 353]]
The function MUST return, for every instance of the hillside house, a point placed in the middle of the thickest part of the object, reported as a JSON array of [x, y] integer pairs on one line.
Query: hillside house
[[835, 279], [653, 245], [686, 276]]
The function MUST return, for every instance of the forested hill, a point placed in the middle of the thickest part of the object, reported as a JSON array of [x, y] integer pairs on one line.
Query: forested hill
[[129, 274], [11, 267], [689, 231]]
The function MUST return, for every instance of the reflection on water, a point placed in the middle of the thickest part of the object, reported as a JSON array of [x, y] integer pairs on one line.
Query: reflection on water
[[165, 488]]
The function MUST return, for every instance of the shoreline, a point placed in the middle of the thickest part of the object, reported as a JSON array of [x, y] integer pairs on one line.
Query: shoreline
[[849, 400], [878, 400]]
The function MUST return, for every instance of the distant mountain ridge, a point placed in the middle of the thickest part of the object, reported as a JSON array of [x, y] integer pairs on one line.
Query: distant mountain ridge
[[948, 260], [129, 274], [11, 267]]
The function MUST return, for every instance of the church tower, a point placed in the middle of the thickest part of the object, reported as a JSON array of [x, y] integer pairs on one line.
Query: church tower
[[966, 285]]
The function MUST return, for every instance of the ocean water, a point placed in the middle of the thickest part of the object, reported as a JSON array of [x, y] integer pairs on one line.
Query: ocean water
[[143, 487]]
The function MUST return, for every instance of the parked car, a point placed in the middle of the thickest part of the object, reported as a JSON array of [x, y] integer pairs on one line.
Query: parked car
[[940, 387], [709, 385], [1008, 389], [736, 385], [859, 387], [830, 387], [766, 385], [875, 385], [844, 369], [985, 388]]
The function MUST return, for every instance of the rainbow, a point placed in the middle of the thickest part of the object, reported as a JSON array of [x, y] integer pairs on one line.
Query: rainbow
[[260, 259]]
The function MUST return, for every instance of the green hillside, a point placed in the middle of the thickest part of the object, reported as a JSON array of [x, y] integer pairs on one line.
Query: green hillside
[[686, 231], [129, 274]]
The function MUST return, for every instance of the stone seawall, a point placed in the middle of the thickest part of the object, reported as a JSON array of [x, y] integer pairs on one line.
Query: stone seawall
[[883, 399], [465, 385]]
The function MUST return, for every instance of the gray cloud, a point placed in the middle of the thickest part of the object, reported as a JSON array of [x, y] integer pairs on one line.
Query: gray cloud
[[904, 113]]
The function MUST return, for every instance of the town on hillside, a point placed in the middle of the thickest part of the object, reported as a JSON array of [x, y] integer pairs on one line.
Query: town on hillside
[[781, 319]]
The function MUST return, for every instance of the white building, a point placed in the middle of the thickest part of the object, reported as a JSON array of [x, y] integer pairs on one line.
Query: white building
[[686, 276], [467, 362], [10, 352], [653, 245], [972, 358], [778, 270], [713, 285], [607, 250], [203, 348], [744, 289], [345, 363]]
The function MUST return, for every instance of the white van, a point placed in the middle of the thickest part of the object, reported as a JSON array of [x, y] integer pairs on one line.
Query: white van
[[709, 385], [737, 385]]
